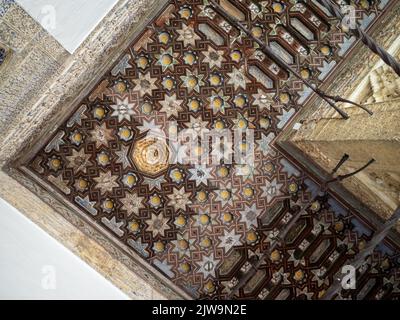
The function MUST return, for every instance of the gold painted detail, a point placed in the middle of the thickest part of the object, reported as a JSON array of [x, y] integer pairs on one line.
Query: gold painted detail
[[150, 156]]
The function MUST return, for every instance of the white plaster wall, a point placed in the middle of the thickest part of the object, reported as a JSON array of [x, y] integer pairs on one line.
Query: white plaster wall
[[33, 265], [69, 21]]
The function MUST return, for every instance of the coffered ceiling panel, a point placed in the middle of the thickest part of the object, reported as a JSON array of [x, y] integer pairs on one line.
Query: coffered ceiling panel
[[205, 226]]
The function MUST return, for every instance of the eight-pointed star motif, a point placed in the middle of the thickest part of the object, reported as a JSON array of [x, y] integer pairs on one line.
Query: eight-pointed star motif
[[229, 239], [179, 199], [132, 203], [249, 215], [226, 194], [158, 224], [123, 109], [151, 127], [271, 190], [264, 143], [166, 59], [171, 105], [218, 102], [183, 250], [263, 100], [145, 84], [246, 171], [106, 182], [208, 265], [101, 135], [201, 174], [154, 183], [79, 160], [197, 125], [187, 35], [214, 57], [192, 80], [238, 78], [222, 152]]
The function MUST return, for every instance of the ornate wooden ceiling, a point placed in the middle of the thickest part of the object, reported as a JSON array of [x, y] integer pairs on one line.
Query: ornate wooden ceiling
[[204, 227]]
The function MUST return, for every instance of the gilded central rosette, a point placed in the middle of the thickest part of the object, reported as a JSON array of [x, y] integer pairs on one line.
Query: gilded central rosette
[[151, 155]]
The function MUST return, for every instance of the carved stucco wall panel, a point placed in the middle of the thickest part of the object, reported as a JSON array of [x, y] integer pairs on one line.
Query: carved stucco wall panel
[[34, 60]]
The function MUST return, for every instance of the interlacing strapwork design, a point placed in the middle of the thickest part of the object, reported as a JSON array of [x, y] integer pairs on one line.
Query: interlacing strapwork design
[[205, 226]]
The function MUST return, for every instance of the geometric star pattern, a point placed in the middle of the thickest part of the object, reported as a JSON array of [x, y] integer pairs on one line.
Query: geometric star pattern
[[207, 225]]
